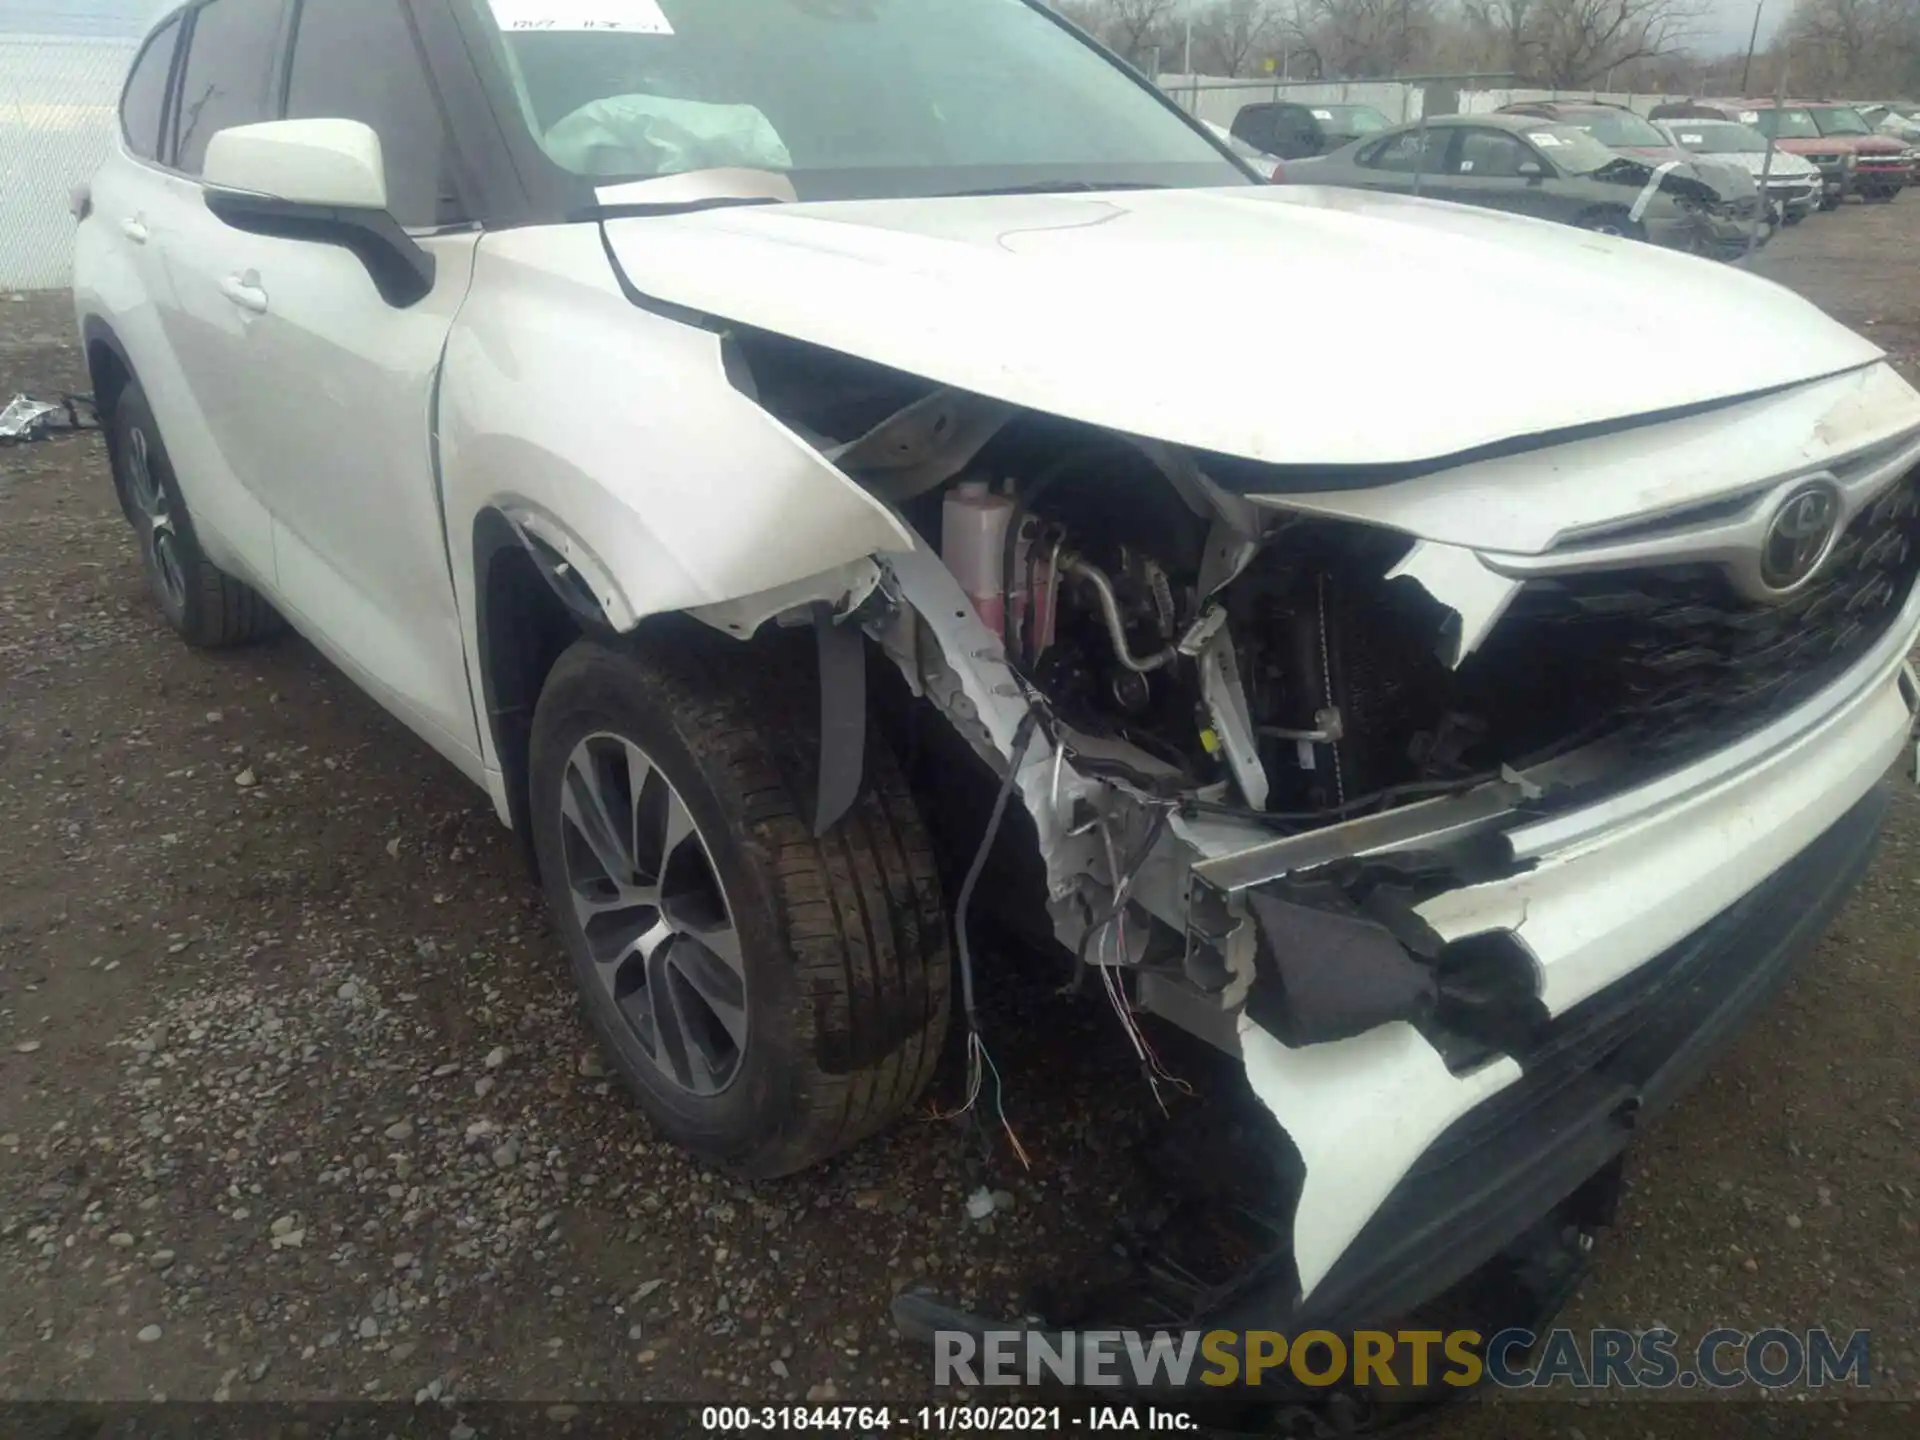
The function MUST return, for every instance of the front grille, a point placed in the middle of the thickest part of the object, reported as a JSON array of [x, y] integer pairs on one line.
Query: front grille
[[1689, 664]]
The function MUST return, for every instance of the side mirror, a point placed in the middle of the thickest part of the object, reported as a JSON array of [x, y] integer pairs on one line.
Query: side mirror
[[1530, 170], [322, 181]]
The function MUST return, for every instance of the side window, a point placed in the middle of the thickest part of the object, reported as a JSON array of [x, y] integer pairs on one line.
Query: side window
[[229, 75], [1492, 154], [355, 60], [146, 92], [1408, 151]]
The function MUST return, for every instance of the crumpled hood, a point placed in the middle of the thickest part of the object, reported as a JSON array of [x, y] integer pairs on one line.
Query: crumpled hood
[[1295, 325], [1785, 163]]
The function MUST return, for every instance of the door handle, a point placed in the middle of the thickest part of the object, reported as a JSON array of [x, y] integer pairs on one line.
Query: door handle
[[244, 291], [134, 229]]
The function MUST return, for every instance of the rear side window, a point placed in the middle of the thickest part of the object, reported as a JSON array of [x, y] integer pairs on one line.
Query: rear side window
[[1491, 154], [229, 75], [146, 92], [1408, 152], [355, 60]]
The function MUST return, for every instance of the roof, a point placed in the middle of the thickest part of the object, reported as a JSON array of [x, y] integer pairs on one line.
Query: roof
[[1499, 120], [1520, 107]]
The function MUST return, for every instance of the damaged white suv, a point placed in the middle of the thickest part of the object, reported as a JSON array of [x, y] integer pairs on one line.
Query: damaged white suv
[[751, 438]]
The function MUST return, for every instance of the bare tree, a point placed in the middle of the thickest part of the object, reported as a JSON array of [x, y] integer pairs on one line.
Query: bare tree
[[1134, 26], [1231, 34], [1504, 28], [1581, 40], [1573, 43], [1367, 37], [1847, 44]]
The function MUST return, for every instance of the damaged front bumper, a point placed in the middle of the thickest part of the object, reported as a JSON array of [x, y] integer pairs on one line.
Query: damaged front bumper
[[1492, 1223], [1589, 898]]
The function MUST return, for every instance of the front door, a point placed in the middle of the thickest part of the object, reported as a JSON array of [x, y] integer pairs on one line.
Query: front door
[[341, 439]]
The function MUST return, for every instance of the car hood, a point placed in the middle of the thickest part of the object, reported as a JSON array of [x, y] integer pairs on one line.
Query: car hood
[[1185, 315], [1785, 162]]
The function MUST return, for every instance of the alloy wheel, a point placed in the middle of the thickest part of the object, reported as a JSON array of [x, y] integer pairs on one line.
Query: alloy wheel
[[659, 929], [153, 522]]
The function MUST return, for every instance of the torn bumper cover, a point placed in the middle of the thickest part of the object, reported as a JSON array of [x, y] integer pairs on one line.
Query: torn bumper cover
[[1514, 1188]]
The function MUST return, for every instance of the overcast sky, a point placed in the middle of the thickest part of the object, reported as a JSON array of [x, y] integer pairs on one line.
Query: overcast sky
[[1727, 24]]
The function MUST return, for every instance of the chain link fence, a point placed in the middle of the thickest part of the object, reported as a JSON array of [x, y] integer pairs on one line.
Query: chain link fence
[[58, 101]]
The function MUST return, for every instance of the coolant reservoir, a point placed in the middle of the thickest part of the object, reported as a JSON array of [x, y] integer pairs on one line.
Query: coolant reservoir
[[974, 548], [973, 538]]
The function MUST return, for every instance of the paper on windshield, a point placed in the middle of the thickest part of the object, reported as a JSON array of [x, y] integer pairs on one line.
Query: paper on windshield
[[659, 135], [635, 17], [1749, 117], [1323, 114], [1687, 138], [1545, 137]]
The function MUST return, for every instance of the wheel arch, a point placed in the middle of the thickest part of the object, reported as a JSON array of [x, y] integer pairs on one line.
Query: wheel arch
[[538, 588], [108, 368]]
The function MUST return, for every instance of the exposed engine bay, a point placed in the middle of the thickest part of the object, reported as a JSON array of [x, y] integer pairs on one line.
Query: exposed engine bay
[[1222, 674]]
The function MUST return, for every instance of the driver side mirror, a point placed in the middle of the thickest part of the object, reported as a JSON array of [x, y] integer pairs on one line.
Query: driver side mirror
[[1530, 170], [322, 181]]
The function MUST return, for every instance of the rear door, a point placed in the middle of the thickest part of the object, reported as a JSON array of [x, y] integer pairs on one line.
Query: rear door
[[340, 438], [1397, 162], [227, 76], [144, 216]]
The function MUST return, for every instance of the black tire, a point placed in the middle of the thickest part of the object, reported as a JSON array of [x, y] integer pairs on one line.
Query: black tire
[[1830, 203], [1605, 220], [842, 940], [203, 604], [1878, 197]]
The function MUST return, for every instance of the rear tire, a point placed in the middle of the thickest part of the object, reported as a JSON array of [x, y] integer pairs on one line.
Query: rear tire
[[205, 606], [771, 998]]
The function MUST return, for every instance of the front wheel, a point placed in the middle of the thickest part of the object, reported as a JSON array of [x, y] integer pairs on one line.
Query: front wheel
[[770, 997], [1832, 202]]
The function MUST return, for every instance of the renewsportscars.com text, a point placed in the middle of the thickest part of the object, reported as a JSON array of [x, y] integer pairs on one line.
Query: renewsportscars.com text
[[1601, 1359]]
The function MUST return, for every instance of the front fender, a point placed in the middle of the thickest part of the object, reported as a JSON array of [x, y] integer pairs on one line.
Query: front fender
[[622, 431]]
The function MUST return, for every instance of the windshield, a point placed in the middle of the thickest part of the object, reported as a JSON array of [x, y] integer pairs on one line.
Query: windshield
[[1355, 119], [1841, 120], [1718, 139], [846, 98], [1572, 148], [1620, 127], [1784, 124]]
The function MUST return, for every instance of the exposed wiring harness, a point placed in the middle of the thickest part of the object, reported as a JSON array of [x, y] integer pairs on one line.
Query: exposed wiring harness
[[979, 1061]]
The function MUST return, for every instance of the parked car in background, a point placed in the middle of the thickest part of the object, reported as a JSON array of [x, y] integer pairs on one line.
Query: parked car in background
[[1792, 128], [1536, 167], [1267, 165], [1895, 118], [1291, 130], [1619, 128], [1881, 169], [1614, 126], [1342, 124], [1793, 183]]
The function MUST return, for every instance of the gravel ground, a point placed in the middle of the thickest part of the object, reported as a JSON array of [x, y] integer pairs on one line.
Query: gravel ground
[[295, 1102]]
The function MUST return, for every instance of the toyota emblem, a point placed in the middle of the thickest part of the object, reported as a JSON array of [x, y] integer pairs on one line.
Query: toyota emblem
[[1800, 535]]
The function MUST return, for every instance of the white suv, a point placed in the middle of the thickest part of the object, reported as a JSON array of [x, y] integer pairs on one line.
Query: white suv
[[770, 444]]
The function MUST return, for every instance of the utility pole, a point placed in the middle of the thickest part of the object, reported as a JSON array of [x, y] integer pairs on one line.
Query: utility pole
[[1753, 37], [1766, 165]]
